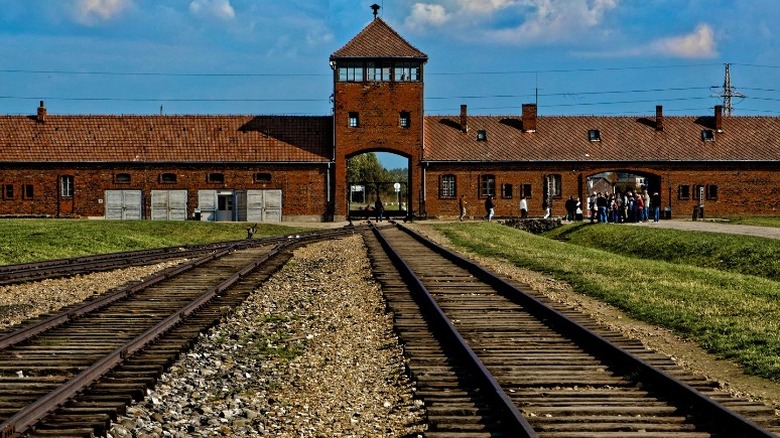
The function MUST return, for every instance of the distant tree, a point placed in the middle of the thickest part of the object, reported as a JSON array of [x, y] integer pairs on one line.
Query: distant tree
[[365, 168]]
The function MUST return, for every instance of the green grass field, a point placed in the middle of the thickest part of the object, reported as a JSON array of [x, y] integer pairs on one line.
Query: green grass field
[[31, 240], [685, 285], [764, 221]]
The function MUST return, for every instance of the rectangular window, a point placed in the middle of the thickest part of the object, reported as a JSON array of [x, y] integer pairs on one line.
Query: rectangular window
[[29, 191], [168, 178], [698, 193], [378, 71], [351, 72], [506, 191], [487, 186], [8, 191], [406, 72], [684, 192], [712, 191], [353, 120], [262, 177], [405, 119], [553, 186], [526, 190], [447, 189], [66, 186], [216, 177], [122, 178]]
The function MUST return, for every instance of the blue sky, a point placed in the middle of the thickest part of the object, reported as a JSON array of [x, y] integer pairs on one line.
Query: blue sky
[[591, 57]]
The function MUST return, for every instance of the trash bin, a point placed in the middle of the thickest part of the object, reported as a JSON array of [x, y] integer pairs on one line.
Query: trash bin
[[196, 215], [667, 213]]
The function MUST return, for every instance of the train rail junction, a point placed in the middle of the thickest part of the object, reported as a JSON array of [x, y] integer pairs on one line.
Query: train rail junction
[[488, 356]]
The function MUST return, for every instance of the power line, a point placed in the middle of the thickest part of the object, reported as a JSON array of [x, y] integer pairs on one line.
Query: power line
[[251, 75]]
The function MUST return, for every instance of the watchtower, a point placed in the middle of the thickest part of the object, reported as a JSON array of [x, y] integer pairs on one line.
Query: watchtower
[[378, 105]]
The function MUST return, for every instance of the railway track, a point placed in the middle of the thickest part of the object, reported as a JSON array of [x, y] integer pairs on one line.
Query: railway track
[[70, 374], [492, 358], [24, 272]]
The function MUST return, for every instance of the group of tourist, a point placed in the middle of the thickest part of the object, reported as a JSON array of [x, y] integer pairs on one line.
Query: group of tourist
[[627, 207], [601, 207]]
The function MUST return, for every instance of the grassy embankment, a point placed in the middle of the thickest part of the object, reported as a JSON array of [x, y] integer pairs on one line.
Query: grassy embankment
[[31, 240], [764, 221], [692, 283]]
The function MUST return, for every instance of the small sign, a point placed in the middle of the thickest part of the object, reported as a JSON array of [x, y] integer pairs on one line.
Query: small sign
[[397, 187]]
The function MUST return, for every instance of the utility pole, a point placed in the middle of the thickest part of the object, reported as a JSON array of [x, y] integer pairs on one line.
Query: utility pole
[[727, 93]]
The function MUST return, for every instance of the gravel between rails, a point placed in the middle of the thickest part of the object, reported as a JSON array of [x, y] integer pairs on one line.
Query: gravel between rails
[[311, 353], [27, 300]]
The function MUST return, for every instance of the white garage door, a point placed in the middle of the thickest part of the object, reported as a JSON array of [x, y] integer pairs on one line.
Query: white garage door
[[169, 205], [123, 204], [264, 205]]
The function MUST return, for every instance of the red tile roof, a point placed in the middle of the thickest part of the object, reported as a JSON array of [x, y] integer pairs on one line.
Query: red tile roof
[[166, 139], [378, 40], [623, 139]]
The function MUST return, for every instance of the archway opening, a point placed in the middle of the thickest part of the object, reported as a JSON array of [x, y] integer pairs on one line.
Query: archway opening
[[378, 186], [623, 181]]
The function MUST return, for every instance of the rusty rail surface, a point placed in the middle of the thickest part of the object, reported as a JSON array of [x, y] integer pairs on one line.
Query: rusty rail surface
[[644, 369], [43, 406]]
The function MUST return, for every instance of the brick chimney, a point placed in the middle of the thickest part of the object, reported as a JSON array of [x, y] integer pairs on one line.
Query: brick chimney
[[659, 118], [529, 117], [41, 118], [719, 118], [464, 118]]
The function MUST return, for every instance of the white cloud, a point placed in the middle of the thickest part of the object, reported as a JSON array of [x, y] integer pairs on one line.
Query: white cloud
[[424, 15], [219, 9], [95, 11], [556, 20], [698, 44], [538, 20]]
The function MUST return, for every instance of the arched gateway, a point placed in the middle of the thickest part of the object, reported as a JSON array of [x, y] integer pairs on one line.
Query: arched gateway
[[378, 106]]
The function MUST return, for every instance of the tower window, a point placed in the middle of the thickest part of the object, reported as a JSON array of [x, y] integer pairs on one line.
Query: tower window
[[406, 72], [378, 71], [594, 135], [351, 72], [405, 119], [353, 120]]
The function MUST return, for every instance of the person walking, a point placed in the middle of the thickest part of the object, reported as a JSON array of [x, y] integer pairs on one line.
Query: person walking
[[655, 203], [462, 207], [489, 206], [379, 209], [523, 208]]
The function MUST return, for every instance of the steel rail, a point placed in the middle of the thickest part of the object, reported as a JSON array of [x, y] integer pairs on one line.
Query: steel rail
[[37, 410], [515, 422], [58, 319], [695, 400]]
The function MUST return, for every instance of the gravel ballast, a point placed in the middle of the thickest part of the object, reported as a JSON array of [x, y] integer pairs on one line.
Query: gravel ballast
[[311, 353]]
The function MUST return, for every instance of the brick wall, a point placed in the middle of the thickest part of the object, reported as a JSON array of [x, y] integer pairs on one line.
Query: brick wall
[[303, 187]]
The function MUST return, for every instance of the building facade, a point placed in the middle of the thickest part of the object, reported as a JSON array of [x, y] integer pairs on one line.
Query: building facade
[[290, 168]]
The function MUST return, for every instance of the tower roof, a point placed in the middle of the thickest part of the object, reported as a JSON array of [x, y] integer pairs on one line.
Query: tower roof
[[378, 40]]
